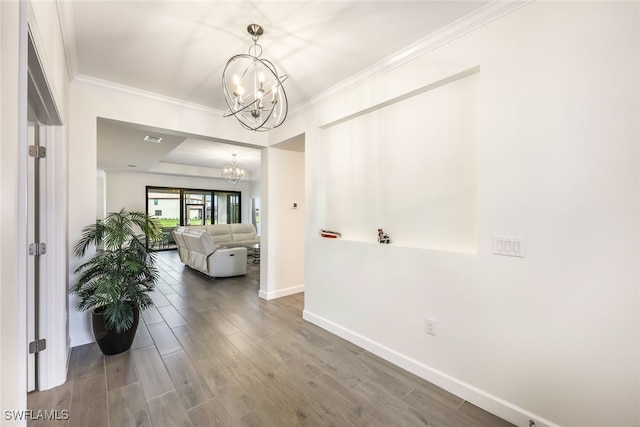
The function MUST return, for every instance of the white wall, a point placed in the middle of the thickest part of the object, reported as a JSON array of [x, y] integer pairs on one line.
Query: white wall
[[553, 336], [282, 240]]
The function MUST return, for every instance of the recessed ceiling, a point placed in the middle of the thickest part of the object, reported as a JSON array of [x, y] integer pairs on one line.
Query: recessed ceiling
[[179, 49]]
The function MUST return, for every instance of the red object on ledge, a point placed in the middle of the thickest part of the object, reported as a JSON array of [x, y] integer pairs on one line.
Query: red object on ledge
[[330, 234]]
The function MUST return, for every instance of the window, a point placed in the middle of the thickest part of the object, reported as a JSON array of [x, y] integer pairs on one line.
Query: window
[[186, 206]]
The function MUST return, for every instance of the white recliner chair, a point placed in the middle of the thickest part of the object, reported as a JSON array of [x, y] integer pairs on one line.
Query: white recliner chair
[[201, 253]]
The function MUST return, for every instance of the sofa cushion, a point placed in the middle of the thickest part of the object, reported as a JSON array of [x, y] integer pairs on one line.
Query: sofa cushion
[[242, 232], [221, 233]]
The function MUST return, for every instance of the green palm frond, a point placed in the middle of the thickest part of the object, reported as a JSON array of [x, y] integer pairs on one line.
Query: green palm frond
[[122, 272]]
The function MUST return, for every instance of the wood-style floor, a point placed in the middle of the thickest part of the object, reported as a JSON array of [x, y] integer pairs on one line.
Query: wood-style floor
[[211, 353]]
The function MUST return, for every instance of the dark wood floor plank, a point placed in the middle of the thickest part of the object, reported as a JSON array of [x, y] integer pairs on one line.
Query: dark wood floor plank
[[226, 388], [311, 334], [356, 409], [396, 409], [247, 326], [194, 319], [201, 304], [171, 316], [153, 376], [159, 300], [89, 403], [432, 392], [165, 288], [87, 361], [55, 399], [280, 405], [437, 412], [142, 338], [228, 353], [219, 323], [297, 363], [371, 371], [120, 370], [167, 411], [187, 382], [177, 301], [127, 407], [210, 414], [260, 358], [330, 364], [482, 417], [151, 315], [195, 346], [163, 338]]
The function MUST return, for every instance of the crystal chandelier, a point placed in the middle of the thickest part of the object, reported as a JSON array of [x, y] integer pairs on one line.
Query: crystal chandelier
[[252, 88], [233, 172]]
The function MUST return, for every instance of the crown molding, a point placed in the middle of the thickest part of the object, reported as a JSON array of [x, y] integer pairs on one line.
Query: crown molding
[[468, 23], [95, 83], [68, 31], [472, 21]]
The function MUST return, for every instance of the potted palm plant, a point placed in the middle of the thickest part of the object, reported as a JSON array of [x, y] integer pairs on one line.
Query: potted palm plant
[[116, 281]]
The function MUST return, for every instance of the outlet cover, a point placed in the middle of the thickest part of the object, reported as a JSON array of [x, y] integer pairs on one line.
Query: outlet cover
[[508, 246]]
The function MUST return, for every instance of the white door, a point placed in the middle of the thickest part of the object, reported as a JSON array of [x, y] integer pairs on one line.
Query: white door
[[44, 212]]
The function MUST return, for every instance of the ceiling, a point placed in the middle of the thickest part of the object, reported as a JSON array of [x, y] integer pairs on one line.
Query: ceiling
[[179, 48]]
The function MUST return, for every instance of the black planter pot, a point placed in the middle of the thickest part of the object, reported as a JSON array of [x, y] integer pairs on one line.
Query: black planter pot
[[113, 341]]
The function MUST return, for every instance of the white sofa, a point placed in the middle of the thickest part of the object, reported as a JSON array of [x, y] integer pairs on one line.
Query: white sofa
[[197, 250], [229, 235]]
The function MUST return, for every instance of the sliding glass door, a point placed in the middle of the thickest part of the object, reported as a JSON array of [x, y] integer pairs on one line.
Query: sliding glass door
[[164, 205], [193, 203], [186, 206]]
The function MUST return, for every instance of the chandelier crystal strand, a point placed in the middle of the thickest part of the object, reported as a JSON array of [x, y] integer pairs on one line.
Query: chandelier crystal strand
[[252, 88], [233, 172]]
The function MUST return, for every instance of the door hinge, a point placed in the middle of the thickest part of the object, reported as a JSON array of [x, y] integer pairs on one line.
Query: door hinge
[[37, 248], [37, 346], [37, 151]]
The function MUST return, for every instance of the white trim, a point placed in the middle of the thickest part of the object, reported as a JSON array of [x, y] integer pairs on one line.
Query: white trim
[[82, 79], [447, 34], [468, 392], [268, 295], [22, 209], [68, 31]]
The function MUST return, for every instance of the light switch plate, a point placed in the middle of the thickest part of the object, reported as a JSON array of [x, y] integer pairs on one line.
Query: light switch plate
[[508, 246]]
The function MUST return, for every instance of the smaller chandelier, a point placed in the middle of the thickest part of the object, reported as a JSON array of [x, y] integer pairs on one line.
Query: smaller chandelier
[[252, 88], [233, 172]]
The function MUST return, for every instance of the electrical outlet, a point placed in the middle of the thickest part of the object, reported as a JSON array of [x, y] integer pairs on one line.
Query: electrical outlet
[[430, 326]]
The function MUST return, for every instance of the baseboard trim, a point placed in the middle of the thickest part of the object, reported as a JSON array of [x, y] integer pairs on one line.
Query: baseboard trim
[[280, 292], [493, 404]]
